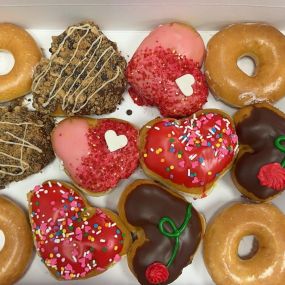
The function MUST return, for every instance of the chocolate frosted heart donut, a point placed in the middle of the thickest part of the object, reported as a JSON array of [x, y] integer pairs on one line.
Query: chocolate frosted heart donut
[[190, 154], [168, 231], [259, 171], [96, 153], [74, 239]]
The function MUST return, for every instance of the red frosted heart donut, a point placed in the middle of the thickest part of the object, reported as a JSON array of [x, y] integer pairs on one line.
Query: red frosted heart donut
[[73, 239], [190, 154], [165, 71], [96, 154]]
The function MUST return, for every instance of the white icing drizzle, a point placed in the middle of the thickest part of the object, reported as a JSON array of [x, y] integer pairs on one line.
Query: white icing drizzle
[[23, 143], [78, 76], [69, 96], [45, 71], [20, 124], [97, 90], [51, 95], [78, 95]]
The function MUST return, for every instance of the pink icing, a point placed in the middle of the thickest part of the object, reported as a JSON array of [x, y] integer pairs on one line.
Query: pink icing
[[85, 154], [70, 134], [185, 40]]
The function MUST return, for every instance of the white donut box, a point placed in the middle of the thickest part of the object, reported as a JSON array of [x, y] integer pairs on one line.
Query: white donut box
[[127, 23]]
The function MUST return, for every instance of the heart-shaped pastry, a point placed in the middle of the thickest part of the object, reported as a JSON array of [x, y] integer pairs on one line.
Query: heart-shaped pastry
[[190, 154], [259, 170], [168, 230], [74, 239], [96, 154], [165, 71]]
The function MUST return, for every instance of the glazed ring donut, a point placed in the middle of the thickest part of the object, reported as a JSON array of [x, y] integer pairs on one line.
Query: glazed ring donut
[[266, 266], [26, 53], [16, 250], [265, 45]]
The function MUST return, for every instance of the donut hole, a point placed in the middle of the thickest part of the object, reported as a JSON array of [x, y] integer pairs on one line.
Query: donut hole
[[7, 62], [2, 239], [248, 247], [247, 65]]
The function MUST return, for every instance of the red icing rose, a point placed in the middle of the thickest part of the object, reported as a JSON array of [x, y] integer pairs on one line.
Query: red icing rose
[[272, 175], [156, 273]]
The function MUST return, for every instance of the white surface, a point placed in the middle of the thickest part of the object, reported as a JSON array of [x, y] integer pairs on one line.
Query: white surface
[[140, 14], [224, 191], [7, 62], [2, 240]]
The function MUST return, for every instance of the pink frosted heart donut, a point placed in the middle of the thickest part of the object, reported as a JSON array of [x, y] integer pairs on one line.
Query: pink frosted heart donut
[[96, 153], [165, 71]]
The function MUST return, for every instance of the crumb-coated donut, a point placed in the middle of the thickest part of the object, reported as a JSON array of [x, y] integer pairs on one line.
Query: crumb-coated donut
[[16, 242], [85, 74], [165, 71], [25, 145], [96, 153], [265, 45], [190, 154], [265, 265], [168, 229], [74, 239], [26, 53], [259, 170]]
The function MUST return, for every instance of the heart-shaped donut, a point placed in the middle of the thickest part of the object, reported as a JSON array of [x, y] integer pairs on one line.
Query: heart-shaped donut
[[74, 239], [190, 154], [165, 71], [96, 154], [168, 231], [259, 171]]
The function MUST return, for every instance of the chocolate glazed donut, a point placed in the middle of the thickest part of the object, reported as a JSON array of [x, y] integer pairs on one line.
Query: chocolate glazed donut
[[143, 206], [257, 126]]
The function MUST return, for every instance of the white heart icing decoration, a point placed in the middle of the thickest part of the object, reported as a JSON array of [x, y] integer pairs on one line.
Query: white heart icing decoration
[[2, 240], [185, 83], [115, 142]]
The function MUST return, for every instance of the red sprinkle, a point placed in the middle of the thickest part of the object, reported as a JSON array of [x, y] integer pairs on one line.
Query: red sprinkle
[[272, 175], [152, 75], [156, 273], [72, 241], [191, 151], [101, 170]]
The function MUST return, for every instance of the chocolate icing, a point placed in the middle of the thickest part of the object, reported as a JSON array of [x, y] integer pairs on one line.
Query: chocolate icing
[[144, 207], [259, 131]]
